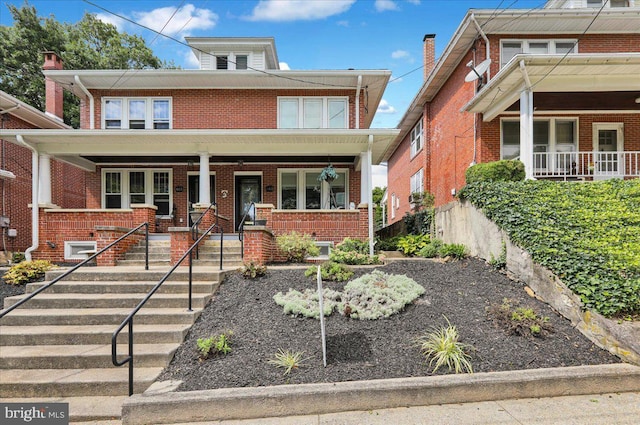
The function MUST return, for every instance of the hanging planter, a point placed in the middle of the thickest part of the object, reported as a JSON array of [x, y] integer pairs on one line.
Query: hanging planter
[[328, 174]]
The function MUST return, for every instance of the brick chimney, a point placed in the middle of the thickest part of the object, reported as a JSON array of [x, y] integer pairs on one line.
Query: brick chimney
[[429, 43], [53, 90]]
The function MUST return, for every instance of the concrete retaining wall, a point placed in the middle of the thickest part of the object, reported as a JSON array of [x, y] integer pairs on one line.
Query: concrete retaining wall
[[461, 222]]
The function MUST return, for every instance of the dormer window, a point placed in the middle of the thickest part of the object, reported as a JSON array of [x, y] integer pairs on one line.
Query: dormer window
[[242, 62], [222, 62], [611, 3]]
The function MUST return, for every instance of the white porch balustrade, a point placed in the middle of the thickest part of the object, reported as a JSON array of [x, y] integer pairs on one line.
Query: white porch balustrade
[[595, 165]]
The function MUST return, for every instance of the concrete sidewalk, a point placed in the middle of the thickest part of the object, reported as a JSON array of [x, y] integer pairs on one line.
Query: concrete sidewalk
[[603, 409]]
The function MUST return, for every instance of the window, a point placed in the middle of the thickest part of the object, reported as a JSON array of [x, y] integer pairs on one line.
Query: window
[[393, 206], [136, 113], [417, 182], [222, 62], [611, 3], [552, 139], [79, 250], [416, 139], [510, 48], [300, 189], [242, 62], [312, 112], [124, 187]]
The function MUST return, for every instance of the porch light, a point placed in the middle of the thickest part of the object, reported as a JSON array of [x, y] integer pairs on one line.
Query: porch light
[[638, 99]]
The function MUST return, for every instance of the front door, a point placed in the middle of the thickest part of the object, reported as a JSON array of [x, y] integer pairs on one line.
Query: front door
[[248, 190], [608, 146], [193, 187]]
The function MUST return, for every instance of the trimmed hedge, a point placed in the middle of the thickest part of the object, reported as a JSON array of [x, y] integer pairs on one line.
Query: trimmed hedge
[[505, 170], [586, 233]]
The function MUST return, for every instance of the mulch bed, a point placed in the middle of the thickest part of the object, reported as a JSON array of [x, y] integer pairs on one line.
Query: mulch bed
[[461, 292]]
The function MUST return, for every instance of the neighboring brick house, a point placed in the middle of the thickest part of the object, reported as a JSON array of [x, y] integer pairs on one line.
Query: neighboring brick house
[[236, 131], [16, 183], [561, 93]]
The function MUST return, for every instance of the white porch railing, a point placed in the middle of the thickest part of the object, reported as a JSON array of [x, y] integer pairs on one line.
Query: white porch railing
[[596, 165]]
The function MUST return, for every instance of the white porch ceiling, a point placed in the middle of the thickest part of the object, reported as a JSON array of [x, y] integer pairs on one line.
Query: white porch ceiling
[[555, 73]]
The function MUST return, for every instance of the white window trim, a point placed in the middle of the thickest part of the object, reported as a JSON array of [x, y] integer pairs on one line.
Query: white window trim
[[68, 245], [148, 183], [393, 206], [124, 119], [419, 177], [325, 108], [525, 45], [617, 126], [324, 193], [630, 3], [414, 139]]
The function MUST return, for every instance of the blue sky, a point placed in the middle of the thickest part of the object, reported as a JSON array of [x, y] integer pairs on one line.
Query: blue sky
[[309, 34]]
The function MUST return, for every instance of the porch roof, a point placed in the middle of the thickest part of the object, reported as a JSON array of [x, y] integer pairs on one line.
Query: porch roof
[[559, 74], [73, 146]]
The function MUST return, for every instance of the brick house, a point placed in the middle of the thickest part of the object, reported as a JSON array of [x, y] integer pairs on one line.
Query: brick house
[[16, 163], [558, 88], [159, 144]]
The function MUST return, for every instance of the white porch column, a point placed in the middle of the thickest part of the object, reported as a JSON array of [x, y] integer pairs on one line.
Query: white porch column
[[526, 132], [44, 184], [205, 189], [365, 168]]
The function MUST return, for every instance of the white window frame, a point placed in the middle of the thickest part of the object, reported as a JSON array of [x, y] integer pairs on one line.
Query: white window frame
[[88, 246], [301, 185], [524, 43], [148, 186], [553, 145], [417, 139], [393, 206], [149, 111], [416, 182], [629, 3], [325, 109]]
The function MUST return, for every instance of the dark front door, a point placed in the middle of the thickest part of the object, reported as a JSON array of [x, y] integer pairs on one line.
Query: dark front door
[[248, 190], [193, 186]]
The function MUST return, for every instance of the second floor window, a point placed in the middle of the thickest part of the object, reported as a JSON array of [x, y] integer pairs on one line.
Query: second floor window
[[510, 48], [137, 113], [416, 139], [312, 112]]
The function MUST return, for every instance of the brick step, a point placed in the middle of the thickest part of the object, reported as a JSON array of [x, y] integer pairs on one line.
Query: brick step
[[108, 300], [93, 287], [97, 410], [83, 356], [98, 316], [90, 334], [74, 382]]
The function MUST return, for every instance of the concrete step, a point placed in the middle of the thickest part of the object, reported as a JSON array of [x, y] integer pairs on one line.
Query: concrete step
[[153, 249], [98, 316], [93, 287], [97, 410], [156, 257], [135, 274], [226, 264], [74, 382], [158, 262], [62, 301], [89, 334], [228, 243], [83, 356]]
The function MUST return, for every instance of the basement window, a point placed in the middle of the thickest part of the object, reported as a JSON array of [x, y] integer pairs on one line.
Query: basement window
[[79, 250]]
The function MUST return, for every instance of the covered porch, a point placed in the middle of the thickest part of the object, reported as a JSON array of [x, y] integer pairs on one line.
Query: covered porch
[[568, 117], [172, 175]]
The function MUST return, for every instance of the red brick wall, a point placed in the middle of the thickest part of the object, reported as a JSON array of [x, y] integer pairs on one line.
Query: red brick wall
[[222, 108], [67, 188], [259, 245]]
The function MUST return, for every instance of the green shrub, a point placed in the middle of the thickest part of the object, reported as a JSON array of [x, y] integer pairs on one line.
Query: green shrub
[[388, 244], [517, 320], [412, 244], [419, 223], [587, 234], [431, 250], [443, 347], [219, 344], [27, 271], [354, 252], [503, 170], [17, 257], [453, 250], [252, 270], [330, 270], [297, 246]]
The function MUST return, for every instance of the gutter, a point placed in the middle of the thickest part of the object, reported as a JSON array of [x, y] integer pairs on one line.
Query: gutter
[[35, 211], [92, 124]]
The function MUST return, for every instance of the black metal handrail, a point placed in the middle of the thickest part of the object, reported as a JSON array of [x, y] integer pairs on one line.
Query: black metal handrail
[[82, 263], [241, 227], [194, 226], [128, 321]]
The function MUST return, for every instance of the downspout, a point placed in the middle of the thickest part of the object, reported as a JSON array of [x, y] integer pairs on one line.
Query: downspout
[[486, 43], [35, 212], [370, 194], [358, 88], [92, 124]]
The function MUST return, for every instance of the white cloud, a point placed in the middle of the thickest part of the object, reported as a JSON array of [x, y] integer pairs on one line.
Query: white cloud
[[294, 10], [384, 5], [190, 60], [185, 20], [113, 20], [394, 80], [400, 54], [343, 24], [416, 2], [379, 175], [284, 66], [385, 108]]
